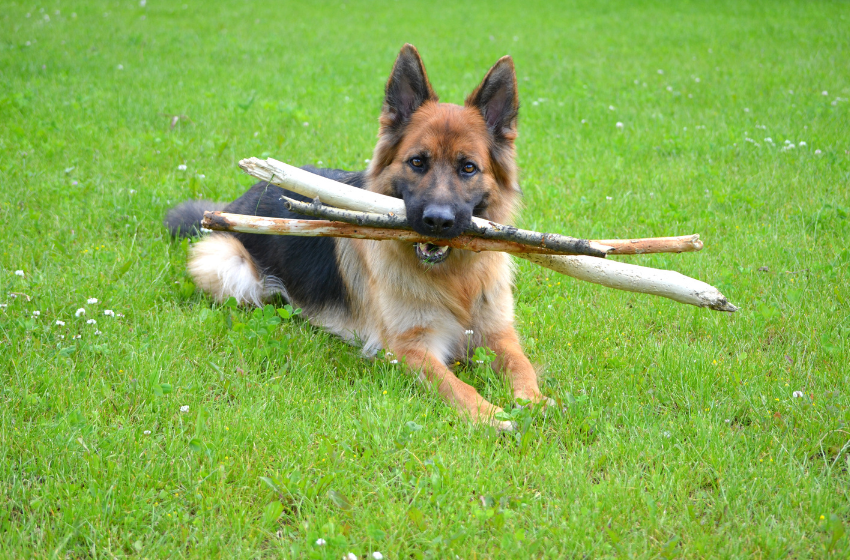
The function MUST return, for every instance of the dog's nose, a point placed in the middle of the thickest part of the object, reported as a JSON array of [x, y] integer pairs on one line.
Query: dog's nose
[[438, 218]]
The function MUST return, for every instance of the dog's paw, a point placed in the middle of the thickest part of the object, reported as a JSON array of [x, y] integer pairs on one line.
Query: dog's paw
[[537, 400], [500, 421], [504, 425]]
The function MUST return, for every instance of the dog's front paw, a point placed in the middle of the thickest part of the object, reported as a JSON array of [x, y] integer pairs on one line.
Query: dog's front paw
[[534, 399], [504, 425], [501, 421]]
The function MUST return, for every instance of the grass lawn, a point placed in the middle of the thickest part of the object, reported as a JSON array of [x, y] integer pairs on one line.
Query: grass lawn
[[177, 428]]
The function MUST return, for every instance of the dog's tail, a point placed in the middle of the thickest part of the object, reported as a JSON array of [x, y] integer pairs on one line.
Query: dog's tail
[[184, 220]]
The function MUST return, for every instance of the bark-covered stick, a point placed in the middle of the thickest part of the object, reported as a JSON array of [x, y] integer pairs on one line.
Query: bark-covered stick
[[680, 244], [337, 194], [613, 274], [222, 221], [632, 278]]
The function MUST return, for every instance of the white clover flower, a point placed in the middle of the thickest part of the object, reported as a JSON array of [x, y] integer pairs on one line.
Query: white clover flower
[[307, 124], [91, 300], [119, 314], [350, 556], [746, 109], [620, 125], [60, 323], [78, 336], [824, 93], [97, 333], [79, 312], [62, 336], [667, 434], [610, 107], [321, 542], [818, 152], [393, 361], [801, 144], [120, 66], [181, 167], [377, 555], [798, 394], [19, 273], [109, 313], [769, 139], [147, 432], [4, 305], [91, 322], [660, 71], [366, 160], [696, 80], [184, 408], [36, 313], [669, 88], [201, 176], [609, 198]]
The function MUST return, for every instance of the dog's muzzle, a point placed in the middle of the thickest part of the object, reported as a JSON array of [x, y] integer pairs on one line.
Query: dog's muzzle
[[428, 253]]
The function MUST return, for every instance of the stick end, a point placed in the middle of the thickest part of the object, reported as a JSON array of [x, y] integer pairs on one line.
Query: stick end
[[724, 304], [696, 242]]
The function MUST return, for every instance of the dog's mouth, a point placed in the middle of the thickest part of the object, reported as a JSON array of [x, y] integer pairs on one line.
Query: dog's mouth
[[428, 253]]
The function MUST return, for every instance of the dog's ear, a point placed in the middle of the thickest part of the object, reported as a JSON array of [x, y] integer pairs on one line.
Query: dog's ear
[[407, 89], [496, 97]]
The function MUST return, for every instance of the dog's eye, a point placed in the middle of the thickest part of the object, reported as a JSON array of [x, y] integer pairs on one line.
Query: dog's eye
[[417, 162], [469, 168]]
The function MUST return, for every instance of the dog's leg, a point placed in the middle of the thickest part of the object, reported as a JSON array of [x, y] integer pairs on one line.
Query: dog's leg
[[512, 363], [461, 395]]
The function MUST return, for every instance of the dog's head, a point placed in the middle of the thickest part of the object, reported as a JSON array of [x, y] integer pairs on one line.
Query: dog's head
[[447, 162]]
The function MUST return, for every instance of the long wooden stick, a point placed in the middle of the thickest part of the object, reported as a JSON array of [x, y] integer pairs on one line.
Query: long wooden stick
[[345, 196], [613, 274], [680, 244], [361, 225], [600, 271]]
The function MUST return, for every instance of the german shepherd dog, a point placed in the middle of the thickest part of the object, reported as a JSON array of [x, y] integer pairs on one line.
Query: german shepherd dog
[[417, 301]]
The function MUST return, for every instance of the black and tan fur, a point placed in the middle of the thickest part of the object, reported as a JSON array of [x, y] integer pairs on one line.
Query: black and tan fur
[[447, 162]]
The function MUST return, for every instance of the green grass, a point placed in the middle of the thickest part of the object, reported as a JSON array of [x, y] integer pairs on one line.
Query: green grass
[[679, 435]]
